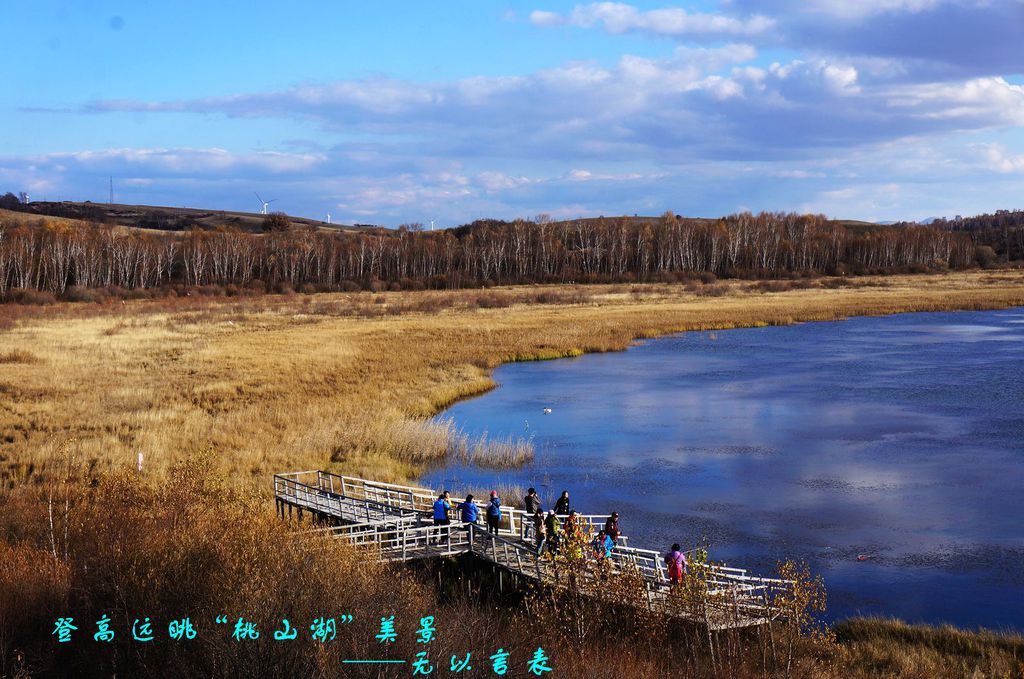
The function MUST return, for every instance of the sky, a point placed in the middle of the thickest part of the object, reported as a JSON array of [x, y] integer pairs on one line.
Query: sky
[[397, 112]]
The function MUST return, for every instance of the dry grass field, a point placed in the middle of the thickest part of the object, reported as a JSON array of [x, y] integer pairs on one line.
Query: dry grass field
[[346, 381], [220, 393]]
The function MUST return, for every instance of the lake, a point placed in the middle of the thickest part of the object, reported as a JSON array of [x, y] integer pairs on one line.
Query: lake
[[898, 438]]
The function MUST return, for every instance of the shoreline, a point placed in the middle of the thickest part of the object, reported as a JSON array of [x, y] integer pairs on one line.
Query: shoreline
[[661, 333]]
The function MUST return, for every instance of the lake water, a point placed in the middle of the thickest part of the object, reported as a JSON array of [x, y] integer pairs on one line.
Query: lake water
[[899, 438]]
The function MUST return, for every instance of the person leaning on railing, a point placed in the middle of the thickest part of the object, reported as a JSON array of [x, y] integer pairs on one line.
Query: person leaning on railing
[[469, 510], [611, 527], [562, 507]]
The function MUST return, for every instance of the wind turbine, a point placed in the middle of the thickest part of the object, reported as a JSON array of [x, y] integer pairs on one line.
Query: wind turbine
[[264, 204]]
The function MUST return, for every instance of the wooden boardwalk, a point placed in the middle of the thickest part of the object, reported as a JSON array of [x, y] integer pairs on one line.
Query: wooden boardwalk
[[396, 521]]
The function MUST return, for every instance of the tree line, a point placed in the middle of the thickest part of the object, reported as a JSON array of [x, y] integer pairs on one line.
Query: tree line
[[51, 256], [1003, 231]]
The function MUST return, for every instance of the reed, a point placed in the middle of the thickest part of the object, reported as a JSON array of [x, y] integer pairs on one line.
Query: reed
[[285, 382], [281, 382]]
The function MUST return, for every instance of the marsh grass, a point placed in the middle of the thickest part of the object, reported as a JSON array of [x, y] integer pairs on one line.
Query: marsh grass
[[286, 382], [18, 356], [298, 381], [878, 647]]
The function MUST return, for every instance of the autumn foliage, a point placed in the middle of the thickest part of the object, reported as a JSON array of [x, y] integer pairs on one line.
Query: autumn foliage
[[58, 258]]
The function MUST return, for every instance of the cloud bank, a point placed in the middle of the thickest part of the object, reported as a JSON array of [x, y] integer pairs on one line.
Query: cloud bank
[[883, 106]]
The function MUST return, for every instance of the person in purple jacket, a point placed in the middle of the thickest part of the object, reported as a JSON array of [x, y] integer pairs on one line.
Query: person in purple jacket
[[676, 562]]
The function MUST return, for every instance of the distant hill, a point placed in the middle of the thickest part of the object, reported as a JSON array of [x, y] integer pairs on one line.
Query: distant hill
[[161, 218]]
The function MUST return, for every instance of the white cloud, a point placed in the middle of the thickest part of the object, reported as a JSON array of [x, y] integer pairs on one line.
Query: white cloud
[[838, 79], [856, 9], [183, 160], [709, 111], [992, 99], [542, 18], [998, 158], [675, 22]]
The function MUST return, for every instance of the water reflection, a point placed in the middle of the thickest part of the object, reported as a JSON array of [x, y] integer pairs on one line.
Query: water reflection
[[898, 437]]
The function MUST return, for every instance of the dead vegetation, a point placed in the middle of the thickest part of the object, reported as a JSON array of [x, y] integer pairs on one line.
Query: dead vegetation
[[293, 381]]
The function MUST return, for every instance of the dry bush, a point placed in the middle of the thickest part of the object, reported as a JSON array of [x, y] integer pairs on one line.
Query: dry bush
[[190, 547], [493, 300], [34, 591], [713, 290], [18, 356]]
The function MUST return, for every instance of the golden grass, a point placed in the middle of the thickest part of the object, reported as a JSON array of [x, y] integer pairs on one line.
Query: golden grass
[[14, 218], [273, 384], [875, 647], [345, 382]]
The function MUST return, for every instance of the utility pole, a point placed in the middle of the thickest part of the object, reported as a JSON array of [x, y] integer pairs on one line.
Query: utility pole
[[111, 189]]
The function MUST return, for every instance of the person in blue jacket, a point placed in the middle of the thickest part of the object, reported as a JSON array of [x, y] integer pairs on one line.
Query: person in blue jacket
[[494, 513], [603, 546], [442, 506], [470, 510]]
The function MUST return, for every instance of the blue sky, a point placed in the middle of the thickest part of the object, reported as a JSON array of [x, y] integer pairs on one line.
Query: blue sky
[[394, 112]]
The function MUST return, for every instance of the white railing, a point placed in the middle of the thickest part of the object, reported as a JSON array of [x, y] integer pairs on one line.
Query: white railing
[[397, 521]]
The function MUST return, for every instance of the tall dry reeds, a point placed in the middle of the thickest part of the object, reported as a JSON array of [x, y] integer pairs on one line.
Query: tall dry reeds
[[298, 382]]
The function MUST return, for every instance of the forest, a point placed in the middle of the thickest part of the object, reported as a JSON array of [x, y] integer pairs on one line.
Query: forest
[[1003, 231], [63, 258]]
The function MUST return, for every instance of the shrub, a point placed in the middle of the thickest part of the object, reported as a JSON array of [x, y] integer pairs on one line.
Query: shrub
[[717, 290], [493, 301], [40, 297], [283, 288], [18, 356], [985, 256], [276, 222], [77, 293]]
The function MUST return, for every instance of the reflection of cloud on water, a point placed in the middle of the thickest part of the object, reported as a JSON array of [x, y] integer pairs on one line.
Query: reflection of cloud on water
[[878, 436]]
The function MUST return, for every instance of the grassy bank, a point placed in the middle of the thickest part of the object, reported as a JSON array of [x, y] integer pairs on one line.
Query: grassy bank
[[346, 382]]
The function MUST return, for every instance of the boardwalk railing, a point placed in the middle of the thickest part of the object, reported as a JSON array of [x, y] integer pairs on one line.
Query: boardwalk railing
[[397, 521]]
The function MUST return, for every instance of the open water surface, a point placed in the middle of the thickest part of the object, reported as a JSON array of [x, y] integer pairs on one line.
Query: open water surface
[[898, 438]]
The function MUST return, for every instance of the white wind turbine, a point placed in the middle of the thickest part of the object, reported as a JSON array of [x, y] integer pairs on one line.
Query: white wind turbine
[[264, 204]]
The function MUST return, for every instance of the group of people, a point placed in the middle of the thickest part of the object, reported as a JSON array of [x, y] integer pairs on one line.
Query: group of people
[[469, 511], [549, 533]]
